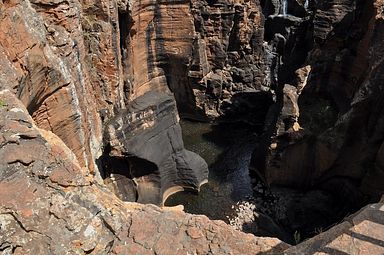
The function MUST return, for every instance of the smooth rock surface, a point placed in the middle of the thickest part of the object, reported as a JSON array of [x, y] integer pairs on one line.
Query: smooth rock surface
[[149, 131]]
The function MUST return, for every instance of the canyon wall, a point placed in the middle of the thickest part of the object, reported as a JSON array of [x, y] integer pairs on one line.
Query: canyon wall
[[208, 53], [339, 98], [80, 66], [103, 84], [323, 135], [50, 206]]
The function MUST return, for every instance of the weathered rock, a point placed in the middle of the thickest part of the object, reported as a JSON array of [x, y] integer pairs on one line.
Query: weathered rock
[[333, 156], [49, 205], [148, 132], [228, 56], [193, 47], [80, 68], [42, 58]]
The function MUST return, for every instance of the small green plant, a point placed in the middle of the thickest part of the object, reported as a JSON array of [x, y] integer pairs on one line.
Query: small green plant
[[297, 237], [2, 103]]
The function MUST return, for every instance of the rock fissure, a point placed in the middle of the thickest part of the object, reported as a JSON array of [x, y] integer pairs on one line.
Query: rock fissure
[[22, 225]]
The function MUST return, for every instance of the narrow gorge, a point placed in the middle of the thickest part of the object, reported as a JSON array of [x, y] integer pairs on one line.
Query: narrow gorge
[[191, 127]]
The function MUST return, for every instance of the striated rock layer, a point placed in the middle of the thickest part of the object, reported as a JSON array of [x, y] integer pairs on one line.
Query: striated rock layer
[[209, 53], [148, 135], [76, 66], [103, 82]]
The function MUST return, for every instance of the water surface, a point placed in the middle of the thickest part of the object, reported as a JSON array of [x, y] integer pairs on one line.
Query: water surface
[[227, 149]]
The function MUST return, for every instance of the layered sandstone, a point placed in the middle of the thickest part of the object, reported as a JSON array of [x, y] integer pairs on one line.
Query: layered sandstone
[[103, 83], [76, 65], [209, 54]]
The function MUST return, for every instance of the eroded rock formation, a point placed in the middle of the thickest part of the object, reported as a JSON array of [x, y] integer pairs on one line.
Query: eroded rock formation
[[76, 66], [49, 205], [334, 152], [341, 116], [147, 135], [210, 54], [101, 85]]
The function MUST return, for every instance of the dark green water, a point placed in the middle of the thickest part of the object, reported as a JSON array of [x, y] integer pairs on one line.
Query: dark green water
[[227, 149]]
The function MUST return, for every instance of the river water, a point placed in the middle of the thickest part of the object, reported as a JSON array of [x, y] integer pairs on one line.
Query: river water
[[227, 149]]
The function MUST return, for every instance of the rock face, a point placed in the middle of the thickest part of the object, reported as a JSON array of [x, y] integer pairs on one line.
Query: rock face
[[209, 53], [49, 204], [323, 135], [42, 57], [147, 134], [91, 93], [77, 66], [340, 106], [228, 56]]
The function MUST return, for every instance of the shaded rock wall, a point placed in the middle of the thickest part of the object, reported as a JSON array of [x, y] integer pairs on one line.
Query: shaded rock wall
[[77, 65], [49, 205], [360, 232], [228, 55], [336, 147]]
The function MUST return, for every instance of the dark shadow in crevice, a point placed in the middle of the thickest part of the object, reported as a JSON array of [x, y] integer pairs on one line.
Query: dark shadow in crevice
[[121, 172]]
